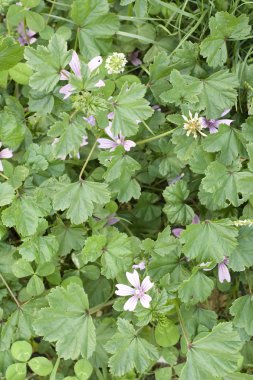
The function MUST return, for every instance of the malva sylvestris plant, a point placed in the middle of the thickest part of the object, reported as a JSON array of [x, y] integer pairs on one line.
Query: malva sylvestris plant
[[126, 188]]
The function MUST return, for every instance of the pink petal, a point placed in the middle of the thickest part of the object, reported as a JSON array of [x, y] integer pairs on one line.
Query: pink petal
[[131, 303], [106, 144], [177, 231], [195, 219], [1, 166], [225, 112], [133, 278], [109, 132], [124, 290], [146, 284], [223, 273], [140, 266], [224, 121], [75, 64], [213, 130], [95, 63], [110, 115], [128, 144], [67, 90], [145, 300], [6, 153], [100, 83], [64, 74], [84, 141]]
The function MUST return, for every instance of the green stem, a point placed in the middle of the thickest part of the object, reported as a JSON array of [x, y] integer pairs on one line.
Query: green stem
[[87, 160], [10, 291], [4, 176], [156, 137], [95, 309], [51, 11], [181, 321]]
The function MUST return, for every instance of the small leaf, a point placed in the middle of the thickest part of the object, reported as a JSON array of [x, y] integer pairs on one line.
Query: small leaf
[[167, 334], [41, 366], [83, 369], [21, 351], [16, 371], [242, 309], [196, 289], [7, 194]]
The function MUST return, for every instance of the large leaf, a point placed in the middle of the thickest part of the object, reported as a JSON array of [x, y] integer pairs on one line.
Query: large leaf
[[242, 258], [96, 25], [219, 239], [214, 355], [136, 352], [196, 289], [79, 199], [176, 209], [47, 63], [242, 309], [223, 26], [67, 322], [130, 108]]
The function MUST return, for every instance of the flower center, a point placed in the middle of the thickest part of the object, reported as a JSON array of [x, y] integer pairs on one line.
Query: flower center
[[139, 293]]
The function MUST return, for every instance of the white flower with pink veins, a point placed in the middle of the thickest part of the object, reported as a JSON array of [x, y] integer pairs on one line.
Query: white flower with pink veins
[[4, 153], [137, 292]]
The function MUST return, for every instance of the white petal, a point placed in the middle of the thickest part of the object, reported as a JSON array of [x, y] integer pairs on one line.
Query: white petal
[[75, 64], [95, 63], [223, 273], [1, 166], [106, 144], [100, 83], [6, 153], [131, 303], [124, 290], [133, 278], [109, 132], [128, 144], [146, 284], [145, 300]]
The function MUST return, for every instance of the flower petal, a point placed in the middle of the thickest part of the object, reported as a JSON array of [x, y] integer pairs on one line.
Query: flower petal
[[124, 290], [67, 90], [224, 121], [225, 112], [109, 132], [145, 300], [140, 266], [195, 219], [177, 231], [95, 63], [75, 64], [64, 74], [6, 153], [223, 273], [106, 144], [131, 303], [128, 144], [146, 284], [1, 166], [100, 83], [133, 278]]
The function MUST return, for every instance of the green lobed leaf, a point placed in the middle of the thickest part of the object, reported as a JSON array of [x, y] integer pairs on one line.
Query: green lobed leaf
[[67, 322]]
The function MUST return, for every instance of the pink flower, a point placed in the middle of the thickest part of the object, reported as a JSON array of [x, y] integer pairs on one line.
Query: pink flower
[[75, 65], [5, 153], [213, 124], [223, 271], [26, 36], [115, 141], [177, 231], [140, 266], [134, 58], [90, 120], [137, 293]]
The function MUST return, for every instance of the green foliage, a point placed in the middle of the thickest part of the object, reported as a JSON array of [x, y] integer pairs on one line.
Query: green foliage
[[136, 352], [215, 354], [68, 310]]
